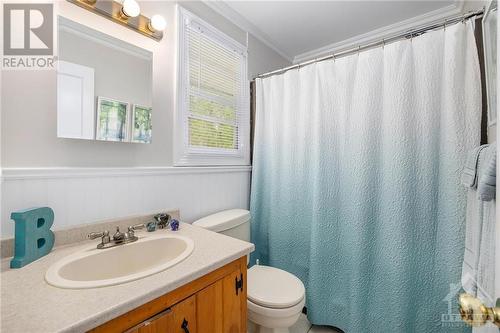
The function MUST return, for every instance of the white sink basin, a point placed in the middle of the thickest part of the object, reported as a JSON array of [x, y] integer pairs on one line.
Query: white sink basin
[[91, 268]]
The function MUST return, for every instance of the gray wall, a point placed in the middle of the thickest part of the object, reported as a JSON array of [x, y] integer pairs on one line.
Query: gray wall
[[29, 98]]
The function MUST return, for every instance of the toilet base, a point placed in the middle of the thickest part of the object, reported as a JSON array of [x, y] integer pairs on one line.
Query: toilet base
[[261, 329], [255, 328], [271, 320]]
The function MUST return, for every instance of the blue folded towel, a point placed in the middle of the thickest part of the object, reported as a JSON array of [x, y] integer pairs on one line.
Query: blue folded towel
[[486, 187]]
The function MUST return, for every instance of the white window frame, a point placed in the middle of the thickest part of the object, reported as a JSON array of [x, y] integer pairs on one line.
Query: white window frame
[[184, 155]]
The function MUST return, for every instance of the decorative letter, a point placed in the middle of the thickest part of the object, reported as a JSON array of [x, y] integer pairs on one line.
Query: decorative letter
[[33, 238]]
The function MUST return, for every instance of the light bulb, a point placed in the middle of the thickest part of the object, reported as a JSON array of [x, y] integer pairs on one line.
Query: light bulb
[[157, 23], [131, 8]]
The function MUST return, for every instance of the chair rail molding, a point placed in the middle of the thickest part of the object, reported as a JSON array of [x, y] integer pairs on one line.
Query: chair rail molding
[[89, 195], [74, 172]]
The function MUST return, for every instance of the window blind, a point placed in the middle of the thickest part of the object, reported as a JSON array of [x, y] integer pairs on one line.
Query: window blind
[[215, 82]]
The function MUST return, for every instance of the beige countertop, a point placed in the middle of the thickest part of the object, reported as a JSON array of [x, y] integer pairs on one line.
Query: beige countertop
[[29, 304]]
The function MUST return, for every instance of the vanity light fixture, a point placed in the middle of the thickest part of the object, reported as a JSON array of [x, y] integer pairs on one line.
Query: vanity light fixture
[[130, 8], [157, 23], [126, 13]]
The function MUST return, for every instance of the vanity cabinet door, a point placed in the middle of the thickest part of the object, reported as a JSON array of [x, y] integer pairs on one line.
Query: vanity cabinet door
[[221, 307], [234, 302], [209, 309], [184, 316]]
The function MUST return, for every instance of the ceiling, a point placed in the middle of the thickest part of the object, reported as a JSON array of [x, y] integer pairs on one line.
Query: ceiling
[[300, 29]]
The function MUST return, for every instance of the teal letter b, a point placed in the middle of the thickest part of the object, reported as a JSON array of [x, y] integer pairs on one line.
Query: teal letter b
[[33, 237]]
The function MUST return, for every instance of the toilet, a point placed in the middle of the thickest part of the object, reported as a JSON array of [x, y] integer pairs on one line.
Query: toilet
[[275, 298]]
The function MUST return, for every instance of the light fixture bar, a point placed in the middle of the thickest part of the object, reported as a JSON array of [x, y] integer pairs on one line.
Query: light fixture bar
[[113, 11]]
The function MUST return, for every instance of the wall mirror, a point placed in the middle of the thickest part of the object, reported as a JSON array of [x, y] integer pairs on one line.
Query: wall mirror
[[104, 86]]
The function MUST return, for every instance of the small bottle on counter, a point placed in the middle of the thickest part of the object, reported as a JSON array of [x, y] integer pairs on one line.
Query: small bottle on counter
[[174, 225]]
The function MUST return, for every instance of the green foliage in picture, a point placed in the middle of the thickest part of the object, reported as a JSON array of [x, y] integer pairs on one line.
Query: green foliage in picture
[[142, 125], [112, 118]]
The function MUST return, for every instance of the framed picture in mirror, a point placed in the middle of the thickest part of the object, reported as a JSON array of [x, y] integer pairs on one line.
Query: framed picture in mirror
[[141, 124], [112, 120], [490, 59]]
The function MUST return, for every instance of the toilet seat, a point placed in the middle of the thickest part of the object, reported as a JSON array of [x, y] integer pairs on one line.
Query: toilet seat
[[274, 312], [274, 288]]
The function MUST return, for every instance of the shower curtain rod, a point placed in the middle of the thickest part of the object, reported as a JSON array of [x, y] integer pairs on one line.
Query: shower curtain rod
[[408, 34]]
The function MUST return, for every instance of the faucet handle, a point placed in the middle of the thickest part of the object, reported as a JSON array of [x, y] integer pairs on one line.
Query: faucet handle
[[136, 227], [130, 232], [94, 235], [105, 239], [118, 235]]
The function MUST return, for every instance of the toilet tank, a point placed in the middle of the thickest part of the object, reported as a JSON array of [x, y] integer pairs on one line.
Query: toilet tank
[[234, 223]]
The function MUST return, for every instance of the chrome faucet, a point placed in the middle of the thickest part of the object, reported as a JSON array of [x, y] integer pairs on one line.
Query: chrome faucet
[[130, 234], [105, 239], [118, 238]]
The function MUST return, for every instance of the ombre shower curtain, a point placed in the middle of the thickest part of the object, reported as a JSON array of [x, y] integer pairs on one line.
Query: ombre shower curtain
[[355, 185]]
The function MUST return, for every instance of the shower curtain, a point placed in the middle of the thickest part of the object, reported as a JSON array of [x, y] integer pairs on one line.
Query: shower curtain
[[355, 185]]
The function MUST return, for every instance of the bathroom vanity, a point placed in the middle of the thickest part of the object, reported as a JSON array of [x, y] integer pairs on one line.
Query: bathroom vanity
[[206, 292], [216, 302]]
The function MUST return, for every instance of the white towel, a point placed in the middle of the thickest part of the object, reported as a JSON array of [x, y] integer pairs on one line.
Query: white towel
[[470, 171], [479, 257], [473, 229], [486, 263], [487, 179]]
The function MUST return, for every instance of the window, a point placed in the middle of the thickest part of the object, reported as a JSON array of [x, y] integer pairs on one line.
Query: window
[[212, 111]]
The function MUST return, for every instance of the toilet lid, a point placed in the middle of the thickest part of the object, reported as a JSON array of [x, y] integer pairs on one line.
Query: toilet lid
[[274, 288]]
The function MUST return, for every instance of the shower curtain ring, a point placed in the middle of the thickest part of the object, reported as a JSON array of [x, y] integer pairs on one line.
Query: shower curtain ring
[[383, 43]]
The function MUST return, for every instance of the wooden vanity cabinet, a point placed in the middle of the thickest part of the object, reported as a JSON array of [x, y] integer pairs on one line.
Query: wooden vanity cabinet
[[214, 303], [178, 318]]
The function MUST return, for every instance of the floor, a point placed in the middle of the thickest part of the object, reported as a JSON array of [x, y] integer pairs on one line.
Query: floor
[[304, 326]]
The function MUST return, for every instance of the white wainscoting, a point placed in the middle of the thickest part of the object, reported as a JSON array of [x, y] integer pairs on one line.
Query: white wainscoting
[[86, 195]]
